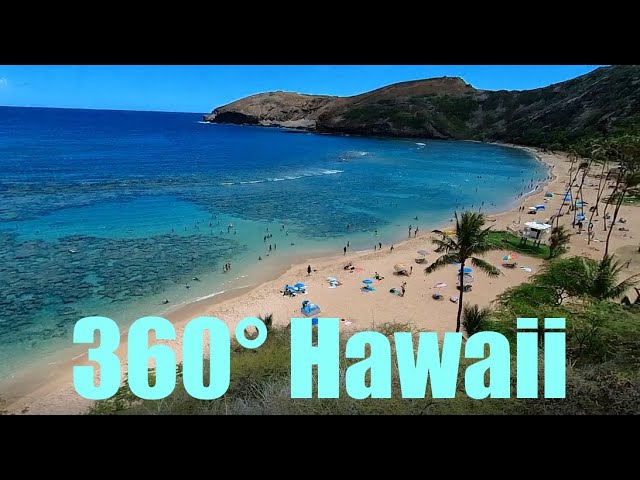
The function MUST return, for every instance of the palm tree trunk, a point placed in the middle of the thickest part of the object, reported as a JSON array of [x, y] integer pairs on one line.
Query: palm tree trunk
[[579, 196], [458, 321], [568, 191], [613, 221], [613, 194], [601, 185]]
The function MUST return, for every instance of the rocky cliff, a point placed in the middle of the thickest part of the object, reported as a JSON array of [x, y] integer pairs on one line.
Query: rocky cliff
[[604, 101]]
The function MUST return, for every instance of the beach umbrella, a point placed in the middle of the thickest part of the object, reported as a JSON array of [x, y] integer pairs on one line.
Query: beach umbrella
[[466, 271], [367, 281], [441, 285], [423, 252], [299, 285], [400, 267], [511, 256], [332, 279]]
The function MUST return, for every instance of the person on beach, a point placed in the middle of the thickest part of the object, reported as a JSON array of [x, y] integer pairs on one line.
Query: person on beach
[[345, 250], [415, 234], [380, 245], [275, 246], [375, 247], [391, 249], [309, 270], [348, 246], [404, 288], [411, 270], [269, 247]]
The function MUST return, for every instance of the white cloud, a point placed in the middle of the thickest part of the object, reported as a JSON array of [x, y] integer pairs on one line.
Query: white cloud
[[3, 82]]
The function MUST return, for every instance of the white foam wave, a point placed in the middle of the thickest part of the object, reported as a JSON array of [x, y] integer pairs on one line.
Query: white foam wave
[[421, 144], [215, 294], [315, 173]]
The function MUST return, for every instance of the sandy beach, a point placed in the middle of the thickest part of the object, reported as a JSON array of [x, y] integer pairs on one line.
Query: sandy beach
[[361, 310]]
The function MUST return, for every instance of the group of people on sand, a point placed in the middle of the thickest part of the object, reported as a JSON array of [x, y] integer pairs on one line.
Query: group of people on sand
[[227, 267]]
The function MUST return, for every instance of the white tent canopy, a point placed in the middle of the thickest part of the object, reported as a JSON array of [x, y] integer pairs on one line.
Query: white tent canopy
[[538, 226], [536, 230]]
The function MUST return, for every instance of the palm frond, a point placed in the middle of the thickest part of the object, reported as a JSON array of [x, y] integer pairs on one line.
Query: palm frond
[[444, 245], [474, 318], [486, 267], [441, 262]]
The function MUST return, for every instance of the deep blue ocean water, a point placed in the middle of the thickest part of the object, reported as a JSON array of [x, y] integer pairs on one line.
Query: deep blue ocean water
[[110, 212]]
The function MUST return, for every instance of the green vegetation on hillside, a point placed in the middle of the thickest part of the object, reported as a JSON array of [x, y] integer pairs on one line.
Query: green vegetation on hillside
[[605, 102]]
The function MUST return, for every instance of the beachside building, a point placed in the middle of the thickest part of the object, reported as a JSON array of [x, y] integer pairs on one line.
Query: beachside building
[[538, 232]]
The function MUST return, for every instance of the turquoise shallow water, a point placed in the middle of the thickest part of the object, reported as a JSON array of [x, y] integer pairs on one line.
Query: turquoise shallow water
[[110, 213]]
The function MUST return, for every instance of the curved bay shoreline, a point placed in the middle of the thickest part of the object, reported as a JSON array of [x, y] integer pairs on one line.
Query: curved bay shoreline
[[55, 393]]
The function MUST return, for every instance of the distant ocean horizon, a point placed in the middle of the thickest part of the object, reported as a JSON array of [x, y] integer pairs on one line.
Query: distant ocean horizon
[[113, 213]]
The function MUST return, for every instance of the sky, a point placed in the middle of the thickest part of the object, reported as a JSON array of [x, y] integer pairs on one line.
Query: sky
[[201, 88]]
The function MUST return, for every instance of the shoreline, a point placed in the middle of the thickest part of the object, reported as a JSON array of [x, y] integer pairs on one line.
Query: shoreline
[[60, 376]]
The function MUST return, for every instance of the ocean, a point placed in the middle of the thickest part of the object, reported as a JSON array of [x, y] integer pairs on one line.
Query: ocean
[[113, 213]]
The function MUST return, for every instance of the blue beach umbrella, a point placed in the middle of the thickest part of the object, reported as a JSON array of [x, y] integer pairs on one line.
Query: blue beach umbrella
[[468, 270], [299, 285], [367, 281]]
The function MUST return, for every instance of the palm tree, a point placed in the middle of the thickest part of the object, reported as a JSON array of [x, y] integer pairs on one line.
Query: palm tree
[[584, 166], [604, 279], [473, 318], [558, 241], [573, 158], [599, 153], [630, 180], [471, 239]]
